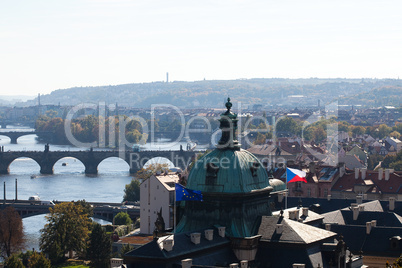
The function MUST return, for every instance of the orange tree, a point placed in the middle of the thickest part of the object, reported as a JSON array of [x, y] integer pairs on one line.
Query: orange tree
[[11, 232]]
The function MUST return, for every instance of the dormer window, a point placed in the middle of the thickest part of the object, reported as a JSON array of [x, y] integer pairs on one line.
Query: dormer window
[[212, 174], [254, 168]]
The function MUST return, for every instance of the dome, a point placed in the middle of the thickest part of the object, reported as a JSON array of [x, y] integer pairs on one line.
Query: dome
[[228, 171]]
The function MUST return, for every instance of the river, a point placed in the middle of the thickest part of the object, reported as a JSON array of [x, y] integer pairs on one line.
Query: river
[[68, 182]]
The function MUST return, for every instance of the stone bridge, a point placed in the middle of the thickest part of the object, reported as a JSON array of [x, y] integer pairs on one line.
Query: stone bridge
[[14, 135], [91, 158], [104, 212]]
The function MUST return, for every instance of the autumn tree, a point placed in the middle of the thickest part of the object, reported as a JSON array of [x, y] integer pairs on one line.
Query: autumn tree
[[38, 260], [14, 261], [66, 230], [145, 173], [11, 232], [100, 247]]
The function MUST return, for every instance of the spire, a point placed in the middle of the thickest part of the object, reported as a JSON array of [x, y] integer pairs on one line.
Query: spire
[[228, 125]]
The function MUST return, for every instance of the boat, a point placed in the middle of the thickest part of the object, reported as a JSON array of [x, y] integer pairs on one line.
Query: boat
[[64, 164], [33, 176]]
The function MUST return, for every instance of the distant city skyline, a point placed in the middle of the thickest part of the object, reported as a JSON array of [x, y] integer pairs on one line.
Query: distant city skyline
[[49, 45]]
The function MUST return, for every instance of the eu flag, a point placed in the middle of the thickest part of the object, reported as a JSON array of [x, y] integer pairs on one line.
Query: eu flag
[[184, 194]]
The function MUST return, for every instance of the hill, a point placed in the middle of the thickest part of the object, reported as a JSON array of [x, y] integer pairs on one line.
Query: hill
[[267, 92]]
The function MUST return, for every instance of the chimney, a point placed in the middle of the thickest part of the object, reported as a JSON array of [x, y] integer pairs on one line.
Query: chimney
[[221, 231], [355, 213], [329, 197], [209, 234], [364, 196], [356, 173], [305, 212], [296, 214], [328, 226], [187, 263], [364, 171], [168, 244], [195, 238], [311, 167], [279, 228], [298, 265], [373, 223], [243, 264], [234, 265], [368, 227], [387, 172], [392, 203], [380, 174], [342, 169], [359, 199]]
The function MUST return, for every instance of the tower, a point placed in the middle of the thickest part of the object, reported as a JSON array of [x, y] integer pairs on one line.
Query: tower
[[234, 184]]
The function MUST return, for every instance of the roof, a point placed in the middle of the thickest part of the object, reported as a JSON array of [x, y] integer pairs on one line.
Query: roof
[[228, 171], [293, 232], [182, 246], [168, 180], [377, 243], [345, 217], [392, 185], [311, 216]]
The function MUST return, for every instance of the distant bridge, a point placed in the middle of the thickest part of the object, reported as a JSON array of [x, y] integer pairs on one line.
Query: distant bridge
[[14, 135], [91, 158], [104, 211]]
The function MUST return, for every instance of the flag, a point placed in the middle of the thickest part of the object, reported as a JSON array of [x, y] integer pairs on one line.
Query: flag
[[184, 194], [293, 175]]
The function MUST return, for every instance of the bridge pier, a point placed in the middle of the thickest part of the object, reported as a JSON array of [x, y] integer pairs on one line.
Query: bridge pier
[[91, 169], [4, 168], [13, 139], [46, 169]]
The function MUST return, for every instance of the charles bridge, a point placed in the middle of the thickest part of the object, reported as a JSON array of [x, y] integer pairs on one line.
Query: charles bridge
[[91, 158]]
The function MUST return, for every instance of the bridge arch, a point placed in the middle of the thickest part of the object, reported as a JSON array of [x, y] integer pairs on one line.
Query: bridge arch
[[69, 165], [23, 163], [113, 164], [159, 160]]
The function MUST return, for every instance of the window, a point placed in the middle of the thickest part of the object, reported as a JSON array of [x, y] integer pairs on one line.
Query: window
[[325, 192], [308, 192], [212, 174], [254, 168]]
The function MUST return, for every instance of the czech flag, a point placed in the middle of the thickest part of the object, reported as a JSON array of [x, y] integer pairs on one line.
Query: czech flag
[[293, 175], [184, 194]]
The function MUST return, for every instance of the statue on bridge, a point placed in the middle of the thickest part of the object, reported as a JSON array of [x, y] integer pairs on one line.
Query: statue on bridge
[[47, 148]]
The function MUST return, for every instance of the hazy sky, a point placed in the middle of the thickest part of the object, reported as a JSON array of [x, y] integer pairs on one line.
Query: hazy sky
[[47, 45]]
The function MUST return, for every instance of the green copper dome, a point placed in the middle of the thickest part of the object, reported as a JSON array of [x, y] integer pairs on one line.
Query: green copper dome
[[228, 171]]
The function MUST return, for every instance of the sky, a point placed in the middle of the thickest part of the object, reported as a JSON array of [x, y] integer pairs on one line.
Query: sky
[[47, 45]]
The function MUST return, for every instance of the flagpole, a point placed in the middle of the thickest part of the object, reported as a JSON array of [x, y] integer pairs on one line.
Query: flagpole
[[174, 211], [286, 193]]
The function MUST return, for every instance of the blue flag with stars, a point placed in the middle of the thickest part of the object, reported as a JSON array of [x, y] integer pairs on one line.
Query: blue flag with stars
[[184, 194]]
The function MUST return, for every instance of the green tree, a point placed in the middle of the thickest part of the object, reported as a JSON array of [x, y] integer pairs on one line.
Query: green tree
[[383, 131], [14, 262], [124, 249], [100, 247], [38, 260], [66, 230], [358, 130], [11, 232], [132, 191], [288, 124], [122, 218]]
